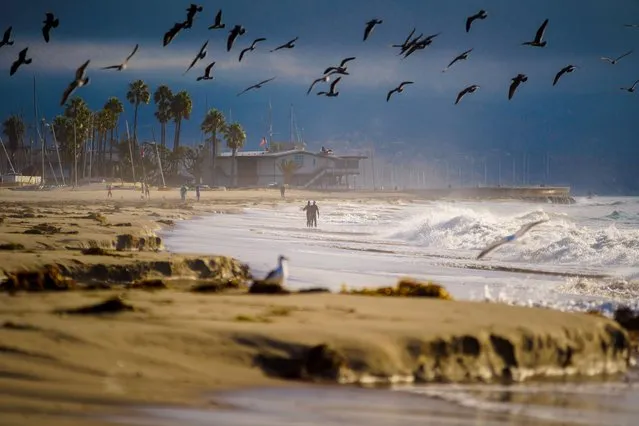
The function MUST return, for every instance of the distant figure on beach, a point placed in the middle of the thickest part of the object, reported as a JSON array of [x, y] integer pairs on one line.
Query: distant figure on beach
[[197, 192], [314, 214], [183, 192], [109, 193], [308, 208], [282, 190], [147, 190]]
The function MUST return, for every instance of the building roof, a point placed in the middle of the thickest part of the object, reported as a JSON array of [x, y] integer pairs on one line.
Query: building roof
[[288, 152]]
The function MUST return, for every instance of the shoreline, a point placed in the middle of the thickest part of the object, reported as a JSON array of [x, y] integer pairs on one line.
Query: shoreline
[[176, 344]]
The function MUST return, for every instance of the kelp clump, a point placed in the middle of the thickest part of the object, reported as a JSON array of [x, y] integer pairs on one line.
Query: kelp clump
[[48, 278], [406, 287]]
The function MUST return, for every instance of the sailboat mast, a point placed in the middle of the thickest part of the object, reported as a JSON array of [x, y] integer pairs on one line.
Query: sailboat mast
[[270, 124], [291, 124], [35, 128]]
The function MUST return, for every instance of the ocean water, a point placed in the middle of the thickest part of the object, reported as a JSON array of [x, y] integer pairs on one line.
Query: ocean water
[[585, 256]]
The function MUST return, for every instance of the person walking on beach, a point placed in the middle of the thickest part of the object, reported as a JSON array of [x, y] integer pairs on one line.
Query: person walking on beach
[[314, 214], [147, 190], [197, 192], [109, 188], [282, 190], [308, 208], [183, 193]]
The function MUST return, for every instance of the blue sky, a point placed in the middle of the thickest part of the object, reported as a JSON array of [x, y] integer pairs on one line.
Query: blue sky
[[585, 110]]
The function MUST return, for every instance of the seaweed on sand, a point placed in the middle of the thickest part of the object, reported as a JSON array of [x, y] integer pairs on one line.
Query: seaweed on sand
[[406, 287]]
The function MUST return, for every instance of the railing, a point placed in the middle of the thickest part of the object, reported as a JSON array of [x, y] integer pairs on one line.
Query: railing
[[329, 170]]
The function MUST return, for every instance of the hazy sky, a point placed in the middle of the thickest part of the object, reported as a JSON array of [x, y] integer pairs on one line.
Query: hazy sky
[[586, 110]]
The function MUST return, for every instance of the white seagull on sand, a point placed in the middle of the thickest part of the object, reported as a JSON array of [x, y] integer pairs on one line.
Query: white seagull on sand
[[278, 275], [510, 238]]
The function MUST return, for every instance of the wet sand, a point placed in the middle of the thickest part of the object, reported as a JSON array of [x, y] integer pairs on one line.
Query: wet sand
[[60, 368]]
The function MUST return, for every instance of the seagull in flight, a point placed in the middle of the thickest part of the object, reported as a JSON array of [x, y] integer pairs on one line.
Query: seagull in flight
[[287, 45], [256, 86], [50, 22], [207, 73], [341, 69], [325, 79], [80, 80], [516, 81], [251, 47], [191, 11], [170, 34], [236, 31], [331, 92], [218, 25], [123, 65], [564, 70], [479, 15], [630, 89], [398, 89], [614, 61], [538, 37], [461, 57], [22, 59], [6, 38], [201, 55], [523, 230], [469, 89], [369, 27]]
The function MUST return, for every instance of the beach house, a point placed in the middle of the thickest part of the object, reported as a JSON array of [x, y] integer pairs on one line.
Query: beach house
[[296, 167]]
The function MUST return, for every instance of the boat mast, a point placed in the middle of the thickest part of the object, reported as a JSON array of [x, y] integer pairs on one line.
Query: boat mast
[[270, 124], [35, 127]]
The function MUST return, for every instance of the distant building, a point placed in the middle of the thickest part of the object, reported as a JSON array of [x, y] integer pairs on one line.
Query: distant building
[[263, 168]]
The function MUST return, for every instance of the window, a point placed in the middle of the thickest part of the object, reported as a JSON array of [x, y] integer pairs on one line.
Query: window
[[299, 159]]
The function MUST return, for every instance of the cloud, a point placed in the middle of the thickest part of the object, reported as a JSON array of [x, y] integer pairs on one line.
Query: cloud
[[375, 68]]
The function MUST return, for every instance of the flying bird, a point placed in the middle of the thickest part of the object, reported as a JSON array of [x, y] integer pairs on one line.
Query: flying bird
[[469, 89], [369, 27], [170, 34], [80, 80], [614, 61], [461, 57], [538, 37], [419, 44], [407, 41], [22, 60], [123, 65], [251, 47], [398, 89], [201, 55], [325, 79], [341, 69], [523, 230], [191, 11], [287, 45], [479, 15], [256, 86], [630, 89], [6, 38], [564, 70], [50, 22], [207, 73], [237, 30], [218, 25], [516, 81], [331, 92]]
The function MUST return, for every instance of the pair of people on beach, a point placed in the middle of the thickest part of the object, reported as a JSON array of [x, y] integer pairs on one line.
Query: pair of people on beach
[[312, 213]]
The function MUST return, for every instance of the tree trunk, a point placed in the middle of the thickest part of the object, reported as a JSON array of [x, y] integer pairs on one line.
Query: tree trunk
[[234, 172], [214, 154], [176, 139], [135, 130], [163, 134]]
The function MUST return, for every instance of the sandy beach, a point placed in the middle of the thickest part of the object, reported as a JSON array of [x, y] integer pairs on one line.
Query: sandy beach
[[170, 344]]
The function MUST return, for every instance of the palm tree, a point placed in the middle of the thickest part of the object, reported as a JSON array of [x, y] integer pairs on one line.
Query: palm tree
[[138, 94], [288, 169], [181, 106], [235, 138], [115, 108], [162, 98], [80, 116], [13, 129], [213, 123]]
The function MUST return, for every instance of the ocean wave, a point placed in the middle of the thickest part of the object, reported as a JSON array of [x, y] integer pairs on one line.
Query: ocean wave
[[560, 241]]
